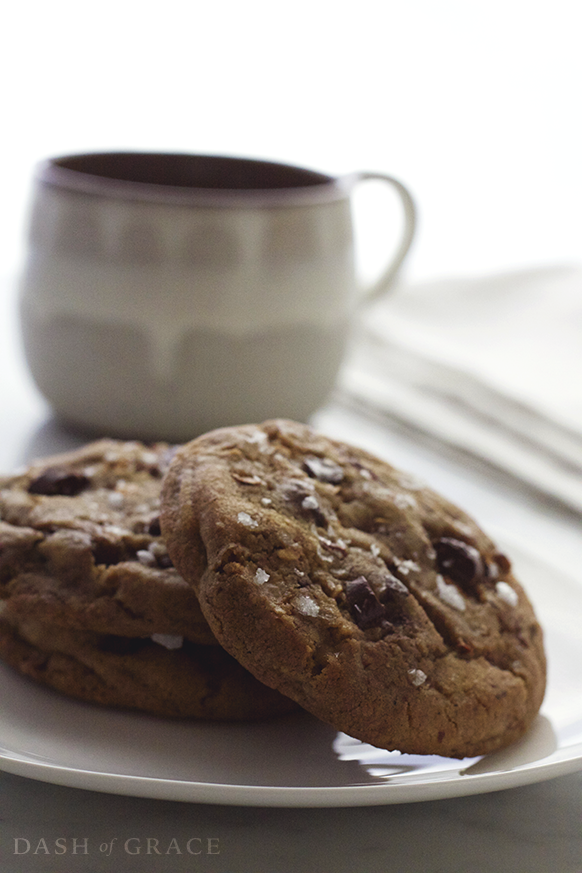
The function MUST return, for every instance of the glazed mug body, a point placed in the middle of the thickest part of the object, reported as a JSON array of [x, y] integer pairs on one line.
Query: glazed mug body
[[165, 295]]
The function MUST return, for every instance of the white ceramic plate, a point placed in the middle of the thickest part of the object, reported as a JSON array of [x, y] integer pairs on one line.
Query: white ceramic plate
[[294, 761]]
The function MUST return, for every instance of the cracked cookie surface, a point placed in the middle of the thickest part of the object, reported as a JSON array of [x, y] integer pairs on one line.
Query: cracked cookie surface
[[370, 600]]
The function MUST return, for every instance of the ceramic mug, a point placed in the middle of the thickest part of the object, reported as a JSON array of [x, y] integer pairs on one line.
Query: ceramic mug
[[167, 294]]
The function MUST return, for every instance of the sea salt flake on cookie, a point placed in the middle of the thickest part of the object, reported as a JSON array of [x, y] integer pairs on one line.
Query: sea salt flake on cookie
[[168, 641], [327, 558], [507, 593], [145, 557], [306, 606], [404, 501], [324, 470], [115, 499], [405, 566], [450, 594], [258, 436], [115, 530], [417, 677], [245, 518], [261, 576]]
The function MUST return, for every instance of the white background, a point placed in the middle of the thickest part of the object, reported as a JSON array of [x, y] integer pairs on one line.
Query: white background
[[475, 105]]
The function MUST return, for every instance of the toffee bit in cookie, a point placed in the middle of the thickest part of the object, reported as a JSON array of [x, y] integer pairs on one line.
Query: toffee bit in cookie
[[324, 470], [503, 563], [464, 648], [59, 481], [507, 593], [450, 594], [459, 561], [247, 479], [245, 518], [417, 677], [364, 606], [261, 576]]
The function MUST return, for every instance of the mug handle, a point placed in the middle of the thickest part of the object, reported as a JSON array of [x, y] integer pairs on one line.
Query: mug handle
[[382, 284]]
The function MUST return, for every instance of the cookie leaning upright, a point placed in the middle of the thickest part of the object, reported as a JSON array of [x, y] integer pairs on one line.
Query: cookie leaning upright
[[374, 603]]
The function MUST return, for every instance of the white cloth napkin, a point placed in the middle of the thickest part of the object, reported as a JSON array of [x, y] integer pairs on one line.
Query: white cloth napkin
[[491, 366]]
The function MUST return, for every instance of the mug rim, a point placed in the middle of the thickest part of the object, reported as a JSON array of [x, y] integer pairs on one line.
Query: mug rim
[[87, 173]]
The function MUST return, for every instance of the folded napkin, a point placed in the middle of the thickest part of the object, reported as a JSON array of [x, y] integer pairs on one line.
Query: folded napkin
[[490, 366]]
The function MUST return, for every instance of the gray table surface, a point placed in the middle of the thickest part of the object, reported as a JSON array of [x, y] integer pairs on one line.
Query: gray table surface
[[532, 829]]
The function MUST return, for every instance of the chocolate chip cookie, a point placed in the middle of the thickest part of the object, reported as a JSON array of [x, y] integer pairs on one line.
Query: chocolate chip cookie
[[80, 544], [90, 603], [345, 584], [163, 675]]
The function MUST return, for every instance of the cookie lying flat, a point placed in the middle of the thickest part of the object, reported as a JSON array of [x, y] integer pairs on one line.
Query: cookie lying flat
[[373, 602], [201, 682], [80, 544]]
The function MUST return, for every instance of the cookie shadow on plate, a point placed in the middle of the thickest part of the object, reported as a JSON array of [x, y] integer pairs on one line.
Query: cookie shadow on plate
[[538, 743]]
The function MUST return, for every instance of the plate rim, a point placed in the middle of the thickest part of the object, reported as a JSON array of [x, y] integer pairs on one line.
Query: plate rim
[[452, 783], [214, 793]]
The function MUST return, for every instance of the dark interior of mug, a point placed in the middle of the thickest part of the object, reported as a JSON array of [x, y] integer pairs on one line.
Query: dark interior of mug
[[193, 171]]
